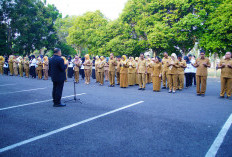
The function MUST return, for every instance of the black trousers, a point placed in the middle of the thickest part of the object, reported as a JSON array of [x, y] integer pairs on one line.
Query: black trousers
[[93, 74], [32, 70], [188, 79], [82, 72], [6, 71], [70, 72], [57, 92], [193, 78]]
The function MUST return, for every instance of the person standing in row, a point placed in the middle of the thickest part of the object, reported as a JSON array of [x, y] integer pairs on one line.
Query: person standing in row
[[21, 66], [136, 74], [6, 66], [193, 69], [118, 69], [142, 71], [106, 69], [97, 61], [202, 64], [32, 66], [172, 73], [226, 75], [93, 68], [112, 65], [45, 67], [15, 66], [87, 67], [124, 72], [101, 70], [187, 72], [57, 67], [70, 67], [77, 65], [39, 68], [156, 67], [131, 72], [165, 62], [26, 66], [149, 71], [11, 62], [2, 60], [180, 71]]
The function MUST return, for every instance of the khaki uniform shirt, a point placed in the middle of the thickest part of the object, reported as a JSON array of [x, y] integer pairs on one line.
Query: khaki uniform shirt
[[96, 65], [132, 67], [112, 64], [142, 64], [165, 63], [156, 69], [101, 66], [149, 69], [87, 64], [26, 64], [77, 65], [124, 66], [180, 69], [173, 68], [201, 69], [45, 65], [118, 66], [226, 71]]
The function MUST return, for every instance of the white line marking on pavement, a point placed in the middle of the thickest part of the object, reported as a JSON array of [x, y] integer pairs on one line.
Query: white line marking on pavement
[[219, 139], [23, 90], [65, 128], [7, 108], [8, 84]]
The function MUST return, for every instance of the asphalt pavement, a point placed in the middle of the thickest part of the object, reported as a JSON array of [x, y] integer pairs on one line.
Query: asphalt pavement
[[110, 121]]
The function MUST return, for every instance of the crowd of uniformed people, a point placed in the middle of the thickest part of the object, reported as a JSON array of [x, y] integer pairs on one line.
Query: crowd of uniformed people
[[170, 71]]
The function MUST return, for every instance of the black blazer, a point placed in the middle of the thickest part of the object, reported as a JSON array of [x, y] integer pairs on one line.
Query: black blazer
[[57, 68]]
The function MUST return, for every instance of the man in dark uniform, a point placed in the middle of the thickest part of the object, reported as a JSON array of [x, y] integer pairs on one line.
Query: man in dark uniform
[[58, 75]]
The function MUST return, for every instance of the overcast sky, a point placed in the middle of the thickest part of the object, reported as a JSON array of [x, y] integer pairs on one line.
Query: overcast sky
[[110, 8]]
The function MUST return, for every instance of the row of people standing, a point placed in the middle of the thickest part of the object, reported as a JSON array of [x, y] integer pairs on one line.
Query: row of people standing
[[171, 70], [18, 65]]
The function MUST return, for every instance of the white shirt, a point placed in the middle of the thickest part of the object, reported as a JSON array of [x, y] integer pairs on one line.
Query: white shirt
[[33, 62], [193, 69], [70, 64], [188, 69]]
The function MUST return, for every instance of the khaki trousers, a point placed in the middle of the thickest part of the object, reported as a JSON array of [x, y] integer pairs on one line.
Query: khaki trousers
[[180, 81], [172, 80], [26, 72], [112, 77], [149, 78], [39, 74], [87, 75], [76, 76], [45, 71], [165, 78], [226, 86], [142, 80], [101, 77], [201, 84]]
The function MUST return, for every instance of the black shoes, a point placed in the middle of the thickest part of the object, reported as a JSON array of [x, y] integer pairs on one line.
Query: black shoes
[[198, 94], [59, 105], [163, 87], [140, 89], [221, 97]]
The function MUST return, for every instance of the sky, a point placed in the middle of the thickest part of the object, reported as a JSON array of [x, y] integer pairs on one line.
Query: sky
[[110, 8]]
